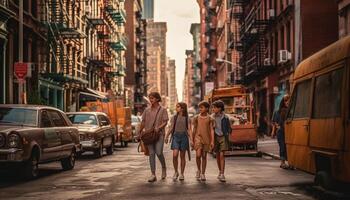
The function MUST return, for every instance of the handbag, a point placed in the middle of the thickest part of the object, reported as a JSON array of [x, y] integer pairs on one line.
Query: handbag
[[143, 148], [151, 137]]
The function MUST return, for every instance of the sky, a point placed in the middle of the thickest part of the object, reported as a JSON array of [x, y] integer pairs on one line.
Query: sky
[[179, 14]]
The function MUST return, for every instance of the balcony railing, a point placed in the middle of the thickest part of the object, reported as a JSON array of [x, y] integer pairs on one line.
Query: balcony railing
[[119, 42], [4, 3]]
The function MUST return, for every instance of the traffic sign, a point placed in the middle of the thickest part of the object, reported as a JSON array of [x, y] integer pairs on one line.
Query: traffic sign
[[21, 70]]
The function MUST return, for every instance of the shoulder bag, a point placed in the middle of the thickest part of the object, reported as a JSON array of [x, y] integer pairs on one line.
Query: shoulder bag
[[151, 137]]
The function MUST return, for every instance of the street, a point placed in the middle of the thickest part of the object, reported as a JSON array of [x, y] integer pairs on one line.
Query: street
[[124, 176]]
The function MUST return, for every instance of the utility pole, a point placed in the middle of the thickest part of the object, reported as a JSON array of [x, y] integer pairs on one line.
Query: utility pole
[[21, 83]]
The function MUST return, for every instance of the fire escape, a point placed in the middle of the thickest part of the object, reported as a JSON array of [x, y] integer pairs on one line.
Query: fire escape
[[64, 25], [253, 44], [210, 41], [115, 41]]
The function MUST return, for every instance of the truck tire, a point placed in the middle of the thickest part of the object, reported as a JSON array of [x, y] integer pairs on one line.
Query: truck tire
[[325, 180], [31, 166], [69, 162]]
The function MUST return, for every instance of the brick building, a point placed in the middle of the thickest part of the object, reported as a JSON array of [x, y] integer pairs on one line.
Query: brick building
[[276, 36], [172, 85], [135, 54], [156, 39], [76, 51], [188, 86]]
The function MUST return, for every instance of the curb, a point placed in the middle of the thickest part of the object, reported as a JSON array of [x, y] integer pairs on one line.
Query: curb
[[274, 156]]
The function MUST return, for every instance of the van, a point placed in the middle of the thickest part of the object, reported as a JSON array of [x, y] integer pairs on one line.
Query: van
[[318, 122]]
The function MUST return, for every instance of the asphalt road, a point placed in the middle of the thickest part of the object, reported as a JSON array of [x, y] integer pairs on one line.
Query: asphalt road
[[124, 176]]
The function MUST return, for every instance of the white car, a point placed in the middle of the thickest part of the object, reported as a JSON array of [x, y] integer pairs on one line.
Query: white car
[[135, 123]]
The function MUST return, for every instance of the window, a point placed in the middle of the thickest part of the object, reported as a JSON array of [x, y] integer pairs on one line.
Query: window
[[19, 116], [83, 119], [327, 101], [300, 100], [104, 121], [57, 119], [45, 120]]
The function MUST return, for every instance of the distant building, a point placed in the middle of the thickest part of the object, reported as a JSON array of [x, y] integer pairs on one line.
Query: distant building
[[197, 63], [172, 85], [135, 79], [156, 40], [148, 11], [188, 85]]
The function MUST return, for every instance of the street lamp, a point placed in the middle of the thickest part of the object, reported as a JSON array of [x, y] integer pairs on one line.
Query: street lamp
[[228, 62]]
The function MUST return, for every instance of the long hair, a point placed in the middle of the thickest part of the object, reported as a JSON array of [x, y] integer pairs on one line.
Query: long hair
[[184, 108]]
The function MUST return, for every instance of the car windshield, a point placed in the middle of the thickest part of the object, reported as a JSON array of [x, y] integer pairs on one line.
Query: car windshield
[[18, 116], [85, 119], [135, 119]]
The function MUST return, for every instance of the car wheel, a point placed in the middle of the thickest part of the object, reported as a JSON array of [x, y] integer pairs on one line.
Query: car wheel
[[69, 162], [110, 149], [99, 151], [31, 167]]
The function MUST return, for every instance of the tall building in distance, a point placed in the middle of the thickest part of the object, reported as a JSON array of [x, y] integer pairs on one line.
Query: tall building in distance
[[172, 85], [148, 11], [153, 68], [156, 43], [188, 84], [197, 63], [135, 54]]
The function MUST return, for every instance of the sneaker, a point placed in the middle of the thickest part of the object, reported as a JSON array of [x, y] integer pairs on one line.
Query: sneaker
[[198, 173], [203, 177], [181, 177], [176, 175], [218, 177], [163, 173], [152, 178], [222, 178]]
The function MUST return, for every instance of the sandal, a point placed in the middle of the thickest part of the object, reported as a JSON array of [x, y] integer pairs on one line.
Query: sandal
[[284, 166]]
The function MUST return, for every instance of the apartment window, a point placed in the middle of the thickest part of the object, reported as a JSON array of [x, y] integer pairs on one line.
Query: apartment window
[[34, 8], [288, 36], [282, 38], [328, 92], [281, 5]]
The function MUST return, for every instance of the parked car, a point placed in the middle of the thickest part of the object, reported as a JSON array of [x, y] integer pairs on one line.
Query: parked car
[[95, 131], [30, 135], [135, 123]]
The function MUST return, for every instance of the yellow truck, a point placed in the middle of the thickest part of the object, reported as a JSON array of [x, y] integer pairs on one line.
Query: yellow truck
[[120, 117]]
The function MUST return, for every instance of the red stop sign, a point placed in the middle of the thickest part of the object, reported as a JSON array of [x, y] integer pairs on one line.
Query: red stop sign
[[21, 70]]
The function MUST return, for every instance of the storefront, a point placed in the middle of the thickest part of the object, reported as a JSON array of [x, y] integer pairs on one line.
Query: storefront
[[51, 93]]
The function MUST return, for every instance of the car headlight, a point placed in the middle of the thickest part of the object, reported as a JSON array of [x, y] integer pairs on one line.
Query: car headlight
[[2, 140], [13, 140]]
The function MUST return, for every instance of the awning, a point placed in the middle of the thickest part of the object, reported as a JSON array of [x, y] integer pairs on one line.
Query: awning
[[101, 95]]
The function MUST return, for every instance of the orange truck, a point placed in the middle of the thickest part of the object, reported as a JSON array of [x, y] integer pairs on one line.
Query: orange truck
[[243, 139], [119, 115]]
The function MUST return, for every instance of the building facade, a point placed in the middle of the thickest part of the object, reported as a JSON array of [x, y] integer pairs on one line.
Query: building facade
[[188, 86], [197, 63], [76, 51], [135, 54], [275, 36], [172, 85], [156, 40], [148, 11]]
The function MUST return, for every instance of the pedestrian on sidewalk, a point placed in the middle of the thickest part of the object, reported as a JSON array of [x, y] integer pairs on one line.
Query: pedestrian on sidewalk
[[155, 117], [279, 119], [179, 130], [221, 137], [203, 138]]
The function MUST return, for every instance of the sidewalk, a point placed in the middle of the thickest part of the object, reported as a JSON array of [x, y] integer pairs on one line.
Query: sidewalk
[[269, 146]]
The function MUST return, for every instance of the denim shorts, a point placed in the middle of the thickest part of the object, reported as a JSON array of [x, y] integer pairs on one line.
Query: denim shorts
[[180, 141]]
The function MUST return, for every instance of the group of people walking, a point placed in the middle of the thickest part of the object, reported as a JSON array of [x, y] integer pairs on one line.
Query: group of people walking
[[205, 133]]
